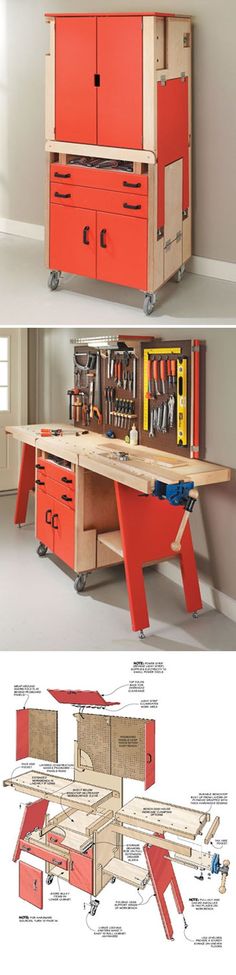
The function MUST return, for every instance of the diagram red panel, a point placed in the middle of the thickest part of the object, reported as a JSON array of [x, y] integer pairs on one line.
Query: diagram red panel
[[33, 818], [172, 113], [81, 870], [149, 753], [22, 734], [89, 698], [162, 875], [31, 885]]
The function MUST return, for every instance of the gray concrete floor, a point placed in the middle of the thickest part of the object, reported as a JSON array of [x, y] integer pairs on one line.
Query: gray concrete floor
[[40, 609], [26, 299]]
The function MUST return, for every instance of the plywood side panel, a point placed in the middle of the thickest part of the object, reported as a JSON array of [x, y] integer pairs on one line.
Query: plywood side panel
[[43, 735], [93, 732], [128, 747]]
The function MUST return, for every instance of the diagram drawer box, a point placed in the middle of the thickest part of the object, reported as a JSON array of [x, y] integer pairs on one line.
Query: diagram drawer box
[[31, 885], [44, 854], [81, 870], [96, 199], [99, 179]]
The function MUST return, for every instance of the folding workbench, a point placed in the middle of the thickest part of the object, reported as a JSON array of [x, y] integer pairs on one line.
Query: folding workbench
[[98, 504], [118, 148], [83, 842]]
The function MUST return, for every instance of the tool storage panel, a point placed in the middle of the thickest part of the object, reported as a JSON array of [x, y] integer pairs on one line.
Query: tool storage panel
[[118, 746], [172, 396], [100, 156]]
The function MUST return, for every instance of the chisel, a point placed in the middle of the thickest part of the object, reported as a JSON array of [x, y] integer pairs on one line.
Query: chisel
[[168, 364], [163, 374], [155, 376], [173, 371]]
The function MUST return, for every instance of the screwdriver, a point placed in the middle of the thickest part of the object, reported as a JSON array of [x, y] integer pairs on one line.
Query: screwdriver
[[169, 372], [155, 376], [173, 370], [163, 374], [149, 365]]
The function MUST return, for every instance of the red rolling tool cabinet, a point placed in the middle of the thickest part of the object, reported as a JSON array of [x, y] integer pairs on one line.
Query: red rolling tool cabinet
[[118, 148]]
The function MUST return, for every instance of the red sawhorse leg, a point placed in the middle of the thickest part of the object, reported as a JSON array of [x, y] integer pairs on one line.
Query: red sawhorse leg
[[162, 874], [148, 526], [26, 482]]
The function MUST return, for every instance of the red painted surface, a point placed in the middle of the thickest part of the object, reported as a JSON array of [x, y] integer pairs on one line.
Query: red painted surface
[[45, 509], [25, 484], [172, 112], [59, 473], [60, 492], [119, 63], [81, 870], [124, 259], [76, 95], [33, 818], [162, 874], [31, 885], [148, 526], [68, 252], [99, 178], [63, 545], [90, 698], [57, 860], [22, 734], [196, 398], [149, 753], [90, 198]]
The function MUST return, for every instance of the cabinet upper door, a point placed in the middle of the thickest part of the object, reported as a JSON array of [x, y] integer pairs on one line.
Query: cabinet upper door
[[119, 64], [75, 83]]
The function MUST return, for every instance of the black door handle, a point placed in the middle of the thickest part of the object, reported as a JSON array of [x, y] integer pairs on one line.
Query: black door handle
[[40, 467], [48, 512], [130, 206], [66, 196], [63, 175], [37, 481], [53, 522], [134, 185], [85, 232], [67, 480], [64, 497], [102, 237], [149, 758]]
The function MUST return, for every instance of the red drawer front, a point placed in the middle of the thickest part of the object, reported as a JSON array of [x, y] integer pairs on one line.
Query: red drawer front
[[64, 493], [31, 885], [73, 240], [59, 473], [81, 870], [106, 200], [102, 179], [122, 250], [45, 854]]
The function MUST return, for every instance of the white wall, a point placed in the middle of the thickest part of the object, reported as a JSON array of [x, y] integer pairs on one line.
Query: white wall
[[24, 40]]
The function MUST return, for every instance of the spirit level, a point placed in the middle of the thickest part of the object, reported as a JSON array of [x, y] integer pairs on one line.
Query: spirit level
[[182, 402]]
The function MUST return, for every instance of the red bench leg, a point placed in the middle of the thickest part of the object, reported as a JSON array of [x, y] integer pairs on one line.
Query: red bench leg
[[26, 483], [162, 874], [189, 573]]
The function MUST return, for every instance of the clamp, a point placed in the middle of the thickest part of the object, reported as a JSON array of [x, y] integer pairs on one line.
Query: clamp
[[95, 411], [182, 495], [223, 868]]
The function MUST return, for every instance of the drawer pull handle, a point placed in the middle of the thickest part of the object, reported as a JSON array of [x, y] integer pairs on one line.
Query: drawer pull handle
[[37, 481], [66, 480], [40, 467], [135, 186], [149, 758], [130, 206], [53, 522], [85, 232], [66, 196], [63, 175], [97, 80], [102, 237], [48, 512], [64, 497], [57, 863]]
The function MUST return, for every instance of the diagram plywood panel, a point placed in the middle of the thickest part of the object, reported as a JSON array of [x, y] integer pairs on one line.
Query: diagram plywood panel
[[128, 747], [93, 733], [31, 885], [37, 734]]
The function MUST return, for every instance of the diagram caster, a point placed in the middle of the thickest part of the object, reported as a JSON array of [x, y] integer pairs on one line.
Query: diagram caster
[[93, 907], [180, 273], [149, 303], [53, 280], [80, 582], [49, 879], [41, 550]]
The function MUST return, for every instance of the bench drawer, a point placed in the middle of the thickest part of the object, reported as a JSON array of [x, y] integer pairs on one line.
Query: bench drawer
[[56, 472], [109, 201], [61, 492], [44, 853], [99, 179]]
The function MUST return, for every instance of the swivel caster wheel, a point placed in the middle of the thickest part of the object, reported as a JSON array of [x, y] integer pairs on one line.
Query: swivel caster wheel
[[49, 879], [180, 273], [53, 280], [42, 550], [80, 582], [195, 616], [141, 635], [93, 908], [113, 880], [149, 303]]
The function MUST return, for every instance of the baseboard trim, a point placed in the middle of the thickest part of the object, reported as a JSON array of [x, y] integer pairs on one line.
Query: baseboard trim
[[223, 270], [213, 597]]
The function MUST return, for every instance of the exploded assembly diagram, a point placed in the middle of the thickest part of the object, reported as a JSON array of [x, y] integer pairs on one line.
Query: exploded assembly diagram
[[107, 823]]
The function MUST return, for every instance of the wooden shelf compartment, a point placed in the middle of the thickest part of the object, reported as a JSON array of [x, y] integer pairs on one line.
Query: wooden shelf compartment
[[128, 872], [112, 540]]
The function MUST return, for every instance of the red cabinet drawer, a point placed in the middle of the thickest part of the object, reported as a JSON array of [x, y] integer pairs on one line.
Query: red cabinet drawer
[[45, 854], [81, 870], [103, 179], [122, 250], [64, 493], [31, 884], [96, 199], [58, 473], [73, 240]]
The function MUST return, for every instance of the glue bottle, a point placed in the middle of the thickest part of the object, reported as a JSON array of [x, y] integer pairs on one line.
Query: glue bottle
[[133, 437]]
